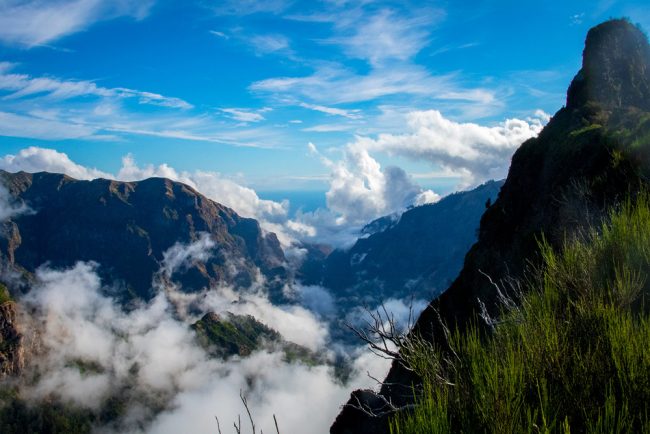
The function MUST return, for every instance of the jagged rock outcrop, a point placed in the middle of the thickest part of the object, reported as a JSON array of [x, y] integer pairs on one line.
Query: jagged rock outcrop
[[12, 354], [615, 72], [593, 153], [126, 227]]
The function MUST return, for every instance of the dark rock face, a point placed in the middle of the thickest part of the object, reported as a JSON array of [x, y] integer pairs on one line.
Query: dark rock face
[[615, 68], [418, 254], [12, 353], [126, 227], [591, 155]]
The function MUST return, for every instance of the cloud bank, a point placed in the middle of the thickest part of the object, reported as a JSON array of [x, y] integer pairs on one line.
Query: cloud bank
[[9, 207], [478, 153], [92, 349]]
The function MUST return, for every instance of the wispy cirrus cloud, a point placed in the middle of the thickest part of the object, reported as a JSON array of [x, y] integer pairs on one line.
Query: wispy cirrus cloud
[[245, 115], [261, 44], [24, 86], [386, 35], [248, 7], [388, 39], [38, 22], [335, 84], [16, 125], [350, 114], [270, 43], [330, 128], [50, 108]]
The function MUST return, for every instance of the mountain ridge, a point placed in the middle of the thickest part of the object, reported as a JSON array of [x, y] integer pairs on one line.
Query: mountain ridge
[[417, 254], [126, 227], [591, 155]]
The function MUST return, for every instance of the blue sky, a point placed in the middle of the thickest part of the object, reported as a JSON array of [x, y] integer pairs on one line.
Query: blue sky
[[242, 87]]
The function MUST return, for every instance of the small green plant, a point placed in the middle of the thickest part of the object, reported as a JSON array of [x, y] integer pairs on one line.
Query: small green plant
[[4, 294]]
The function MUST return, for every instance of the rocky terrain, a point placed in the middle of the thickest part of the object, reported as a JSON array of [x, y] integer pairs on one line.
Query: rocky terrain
[[12, 350]]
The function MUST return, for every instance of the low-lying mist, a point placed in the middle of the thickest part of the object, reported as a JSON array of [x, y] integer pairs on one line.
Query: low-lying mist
[[91, 352]]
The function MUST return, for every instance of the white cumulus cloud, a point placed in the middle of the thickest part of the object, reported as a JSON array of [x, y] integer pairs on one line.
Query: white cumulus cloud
[[35, 159], [479, 152]]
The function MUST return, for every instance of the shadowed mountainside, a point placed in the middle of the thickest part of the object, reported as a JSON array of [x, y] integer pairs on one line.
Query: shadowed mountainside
[[126, 227], [593, 153], [417, 254]]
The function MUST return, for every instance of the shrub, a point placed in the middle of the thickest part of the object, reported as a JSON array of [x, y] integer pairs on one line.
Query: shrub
[[571, 355]]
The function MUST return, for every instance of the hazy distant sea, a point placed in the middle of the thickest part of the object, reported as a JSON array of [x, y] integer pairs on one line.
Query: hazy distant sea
[[299, 200]]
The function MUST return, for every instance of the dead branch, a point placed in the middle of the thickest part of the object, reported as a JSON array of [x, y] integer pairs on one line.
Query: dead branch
[[509, 298], [218, 427], [250, 417]]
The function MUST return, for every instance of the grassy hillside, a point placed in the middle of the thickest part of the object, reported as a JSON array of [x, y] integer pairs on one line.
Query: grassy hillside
[[568, 353]]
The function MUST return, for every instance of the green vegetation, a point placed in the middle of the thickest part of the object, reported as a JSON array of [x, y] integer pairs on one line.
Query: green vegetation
[[232, 334], [4, 294], [584, 130], [571, 355], [229, 334], [17, 416]]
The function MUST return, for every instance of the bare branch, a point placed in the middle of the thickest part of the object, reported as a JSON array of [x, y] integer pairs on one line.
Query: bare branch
[[250, 417], [218, 427], [238, 425], [508, 298], [384, 409], [277, 430]]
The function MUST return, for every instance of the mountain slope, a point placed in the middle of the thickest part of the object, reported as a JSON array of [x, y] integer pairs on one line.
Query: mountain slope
[[229, 335], [592, 154], [418, 254], [126, 227]]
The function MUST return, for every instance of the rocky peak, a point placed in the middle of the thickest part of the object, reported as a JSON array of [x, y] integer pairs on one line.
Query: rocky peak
[[615, 68], [589, 157]]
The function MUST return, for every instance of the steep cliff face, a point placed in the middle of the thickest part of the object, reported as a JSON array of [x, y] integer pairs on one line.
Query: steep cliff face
[[615, 72], [12, 351], [126, 227], [593, 153]]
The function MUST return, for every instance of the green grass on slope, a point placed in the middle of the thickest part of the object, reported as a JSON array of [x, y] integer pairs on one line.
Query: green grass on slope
[[572, 356], [4, 294]]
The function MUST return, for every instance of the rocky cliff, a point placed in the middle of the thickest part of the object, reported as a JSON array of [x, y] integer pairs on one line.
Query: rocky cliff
[[593, 153], [12, 351]]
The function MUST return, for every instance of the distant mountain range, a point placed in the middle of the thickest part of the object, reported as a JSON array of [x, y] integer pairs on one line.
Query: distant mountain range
[[416, 254], [126, 227]]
